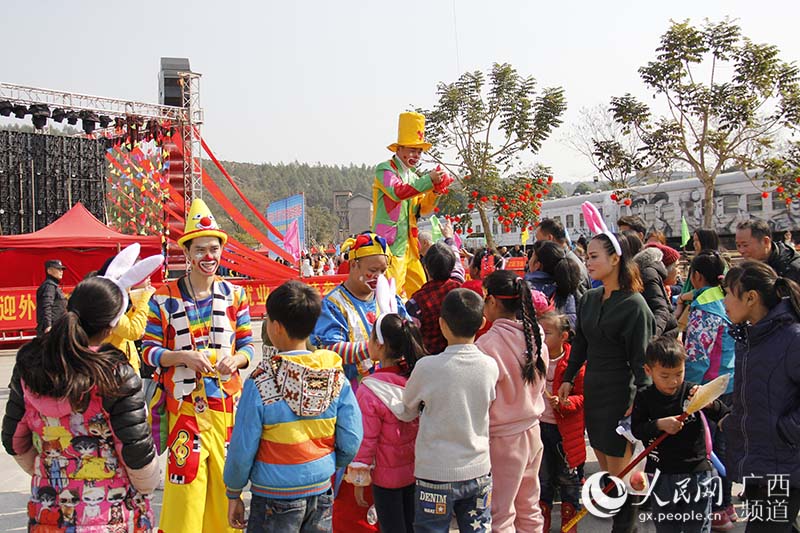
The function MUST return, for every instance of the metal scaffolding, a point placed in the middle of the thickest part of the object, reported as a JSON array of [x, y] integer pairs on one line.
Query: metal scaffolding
[[21, 94], [190, 133]]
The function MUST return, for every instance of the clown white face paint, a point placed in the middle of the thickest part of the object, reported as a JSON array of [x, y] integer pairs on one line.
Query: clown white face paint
[[204, 254], [409, 156], [366, 271]]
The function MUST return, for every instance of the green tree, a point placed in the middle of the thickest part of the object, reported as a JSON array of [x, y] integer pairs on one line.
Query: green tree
[[489, 125], [321, 224], [584, 187], [727, 101]]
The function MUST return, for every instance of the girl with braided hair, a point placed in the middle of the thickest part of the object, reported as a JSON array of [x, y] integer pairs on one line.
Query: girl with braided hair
[[515, 444]]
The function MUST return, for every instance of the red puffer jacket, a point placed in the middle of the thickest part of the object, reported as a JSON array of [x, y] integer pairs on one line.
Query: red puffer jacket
[[569, 416]]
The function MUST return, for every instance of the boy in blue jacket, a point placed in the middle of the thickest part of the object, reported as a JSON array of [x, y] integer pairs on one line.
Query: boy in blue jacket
[[297, 421]]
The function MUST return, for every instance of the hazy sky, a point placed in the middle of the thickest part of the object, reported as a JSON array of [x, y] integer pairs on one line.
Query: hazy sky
[[324, 81]]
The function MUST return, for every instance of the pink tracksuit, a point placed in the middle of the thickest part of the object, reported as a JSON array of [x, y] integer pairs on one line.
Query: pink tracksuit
[[515, 444]]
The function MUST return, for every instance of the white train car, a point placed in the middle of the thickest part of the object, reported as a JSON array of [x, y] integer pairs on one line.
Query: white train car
[[661, 206]]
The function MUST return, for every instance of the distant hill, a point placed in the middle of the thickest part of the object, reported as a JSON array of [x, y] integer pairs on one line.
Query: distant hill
[[265, 183]]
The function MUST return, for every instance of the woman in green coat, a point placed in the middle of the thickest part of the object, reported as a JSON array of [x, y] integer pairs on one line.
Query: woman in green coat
[[613, 329]]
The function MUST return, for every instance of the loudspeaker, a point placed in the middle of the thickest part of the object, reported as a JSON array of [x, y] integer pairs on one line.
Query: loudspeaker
[[169, 88]]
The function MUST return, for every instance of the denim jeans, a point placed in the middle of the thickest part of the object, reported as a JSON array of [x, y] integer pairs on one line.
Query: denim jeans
[[682, 516], [555, 473], [395, 508], [435, 503], [305, 515]]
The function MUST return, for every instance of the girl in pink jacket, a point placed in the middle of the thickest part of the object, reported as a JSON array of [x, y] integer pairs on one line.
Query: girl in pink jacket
[[515, 445], [388, 445]]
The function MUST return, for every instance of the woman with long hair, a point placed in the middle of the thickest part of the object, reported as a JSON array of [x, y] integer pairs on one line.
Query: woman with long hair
[[763, 429], [515, 444], [83, 403], [613, 328], [556, 276]]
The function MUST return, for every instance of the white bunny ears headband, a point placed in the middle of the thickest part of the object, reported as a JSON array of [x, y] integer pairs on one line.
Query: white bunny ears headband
[[594, 220], [125, 272], [386, 302]]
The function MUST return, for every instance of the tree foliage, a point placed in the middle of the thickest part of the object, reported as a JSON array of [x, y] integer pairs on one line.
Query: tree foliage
[[488, 124], [727, 98]]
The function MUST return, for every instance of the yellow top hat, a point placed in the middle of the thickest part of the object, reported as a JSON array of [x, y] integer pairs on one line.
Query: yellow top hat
[[365, 245], [411, 132], [201, 223]]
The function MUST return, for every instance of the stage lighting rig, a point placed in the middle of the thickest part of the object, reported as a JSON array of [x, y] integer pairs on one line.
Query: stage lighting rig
[[105, 121], [72, 118], [20, 111], [90, 120], [58, 115], [6, 108], [40, 114]]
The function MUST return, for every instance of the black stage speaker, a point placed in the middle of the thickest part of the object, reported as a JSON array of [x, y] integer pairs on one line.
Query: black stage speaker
[[169, 88]]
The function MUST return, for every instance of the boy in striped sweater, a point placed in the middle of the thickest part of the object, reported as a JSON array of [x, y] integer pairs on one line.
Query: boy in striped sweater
[[297, 421]]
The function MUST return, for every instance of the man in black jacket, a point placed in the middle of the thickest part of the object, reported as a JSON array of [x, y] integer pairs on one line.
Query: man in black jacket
[[550, 229], [754, 241], [51, 304]]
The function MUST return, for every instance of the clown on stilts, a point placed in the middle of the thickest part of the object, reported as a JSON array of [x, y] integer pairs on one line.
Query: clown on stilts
[[198, 336], [400, 196]]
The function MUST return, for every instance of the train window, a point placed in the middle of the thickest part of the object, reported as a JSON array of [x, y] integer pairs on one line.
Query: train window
[[754, 202], [777, 203], [649, 212], [477, 228], [557, 218], [494, 228], [581, 222], [730, 204], [571, 221]]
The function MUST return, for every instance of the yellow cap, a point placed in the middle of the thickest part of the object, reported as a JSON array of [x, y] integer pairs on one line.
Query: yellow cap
[[364, 245], [411, 132], [201, 223]]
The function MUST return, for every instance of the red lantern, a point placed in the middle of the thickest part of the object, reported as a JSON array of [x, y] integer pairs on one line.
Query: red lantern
[[435, 209], [538, 195], [512, 214], [494, 197], [764, 194], [457, 219], [549, 180], [797, 179], [467, 177], [546, 191], [519, 213], [788, 201], [614, 197], [470, 206], [502, 199], [458, 230], [474, 194], [779, 190], [501, 217], [506, 206], [484, 199], [627, 201], [528, 185], [530, 228], [469, 230]]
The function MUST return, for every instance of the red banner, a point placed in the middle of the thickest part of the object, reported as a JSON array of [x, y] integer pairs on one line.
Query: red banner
[[18, 305], [516, 264]]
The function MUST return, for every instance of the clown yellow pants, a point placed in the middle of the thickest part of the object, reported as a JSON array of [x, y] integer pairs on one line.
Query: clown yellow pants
[[194, 492], [408, 274]]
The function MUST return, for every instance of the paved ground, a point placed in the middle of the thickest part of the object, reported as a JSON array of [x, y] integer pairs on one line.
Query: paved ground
[[14, 490]]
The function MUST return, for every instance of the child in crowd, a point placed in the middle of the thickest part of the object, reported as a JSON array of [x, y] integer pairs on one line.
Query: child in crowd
[[710, 352], [562, 427], [456, 387], [515, 445], [680, 464], [297, 421], [75, 421], [388, 443], [763, 431], [424, 305]]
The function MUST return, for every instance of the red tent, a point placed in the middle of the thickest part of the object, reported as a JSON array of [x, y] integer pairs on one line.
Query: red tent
[[82, 242]]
